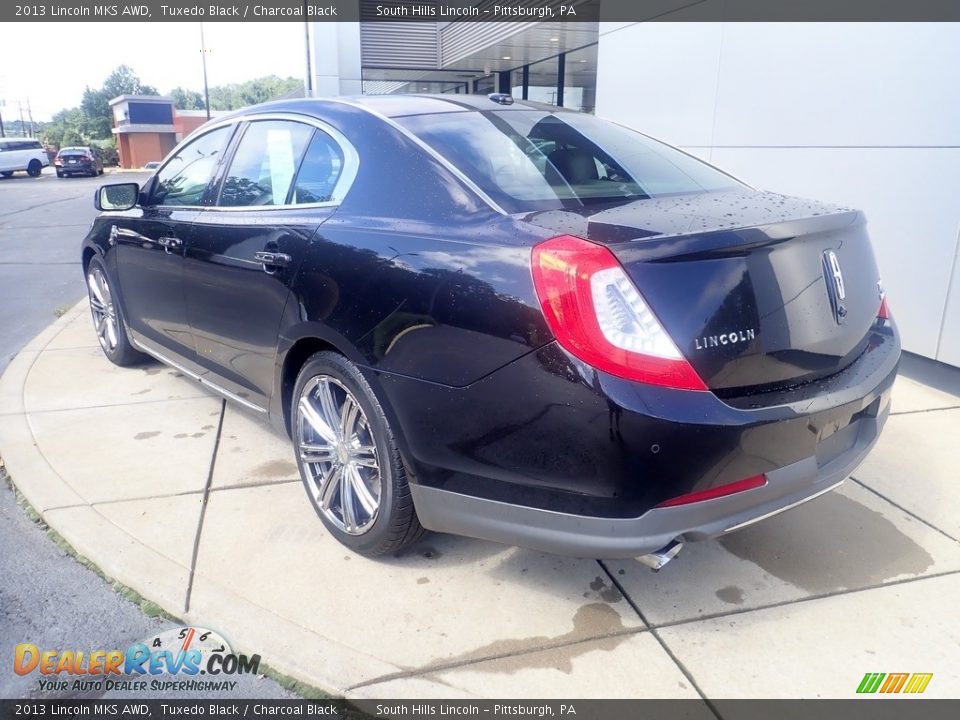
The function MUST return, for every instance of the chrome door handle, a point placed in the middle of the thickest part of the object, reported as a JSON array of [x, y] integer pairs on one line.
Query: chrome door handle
[[121, 234], [170, 243], [271, 259]]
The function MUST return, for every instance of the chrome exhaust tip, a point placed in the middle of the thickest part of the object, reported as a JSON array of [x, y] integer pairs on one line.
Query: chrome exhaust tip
[[657, 559]]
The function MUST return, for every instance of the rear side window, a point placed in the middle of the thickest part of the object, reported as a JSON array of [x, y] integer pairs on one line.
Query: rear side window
[[319, 171], [263, 167], [535, 160], [185, 177]]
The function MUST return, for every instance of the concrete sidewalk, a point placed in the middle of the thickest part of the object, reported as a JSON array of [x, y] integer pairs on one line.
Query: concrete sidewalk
[[198, 506]]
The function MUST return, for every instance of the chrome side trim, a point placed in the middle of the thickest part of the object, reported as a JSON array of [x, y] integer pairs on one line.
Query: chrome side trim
[[139, 345], [426, 148], [807, 499]]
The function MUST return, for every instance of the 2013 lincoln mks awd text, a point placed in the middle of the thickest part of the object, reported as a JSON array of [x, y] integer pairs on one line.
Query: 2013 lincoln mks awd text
[[503, 320]]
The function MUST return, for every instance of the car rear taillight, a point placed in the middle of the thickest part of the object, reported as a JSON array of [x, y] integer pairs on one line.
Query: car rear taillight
[[884, 312], [597, 314], [713, 493]]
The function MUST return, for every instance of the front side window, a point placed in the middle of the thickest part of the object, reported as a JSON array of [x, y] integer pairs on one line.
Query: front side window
[[265, 163], [185, 177], [529, 160]]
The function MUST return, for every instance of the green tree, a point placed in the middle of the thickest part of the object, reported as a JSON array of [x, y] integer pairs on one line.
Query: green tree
[[186, 99], [96, 102], [251, 92], [67, 127]]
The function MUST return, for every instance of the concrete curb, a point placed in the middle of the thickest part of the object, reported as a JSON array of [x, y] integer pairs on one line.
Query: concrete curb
[[316, 662]]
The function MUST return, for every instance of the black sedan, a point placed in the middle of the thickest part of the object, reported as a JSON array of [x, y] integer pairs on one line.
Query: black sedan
[[78, 161], [503, 320]]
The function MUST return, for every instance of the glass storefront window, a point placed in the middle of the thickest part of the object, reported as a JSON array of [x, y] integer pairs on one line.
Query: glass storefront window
[[580, 79]]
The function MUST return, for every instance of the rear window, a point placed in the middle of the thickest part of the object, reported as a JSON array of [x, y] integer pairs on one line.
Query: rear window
[[534, 160]]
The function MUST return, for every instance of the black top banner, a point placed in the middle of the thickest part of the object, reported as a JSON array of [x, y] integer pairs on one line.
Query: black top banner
[[445, 11]]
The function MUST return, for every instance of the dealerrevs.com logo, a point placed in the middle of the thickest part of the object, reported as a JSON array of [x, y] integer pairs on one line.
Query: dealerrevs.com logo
[[173, 660]]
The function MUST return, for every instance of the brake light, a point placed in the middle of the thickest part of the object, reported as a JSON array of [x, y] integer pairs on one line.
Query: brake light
[[749, 483], [597, 314], [884, 312]]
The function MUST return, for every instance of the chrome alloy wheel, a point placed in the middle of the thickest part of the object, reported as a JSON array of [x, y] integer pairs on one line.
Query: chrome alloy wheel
[[338, 455], [103, 310]]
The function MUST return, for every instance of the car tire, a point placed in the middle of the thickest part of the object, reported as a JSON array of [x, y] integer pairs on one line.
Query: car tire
[[100, 171], [59, 173], [355, 480], [7, 173], [108, 322], [34, 168]]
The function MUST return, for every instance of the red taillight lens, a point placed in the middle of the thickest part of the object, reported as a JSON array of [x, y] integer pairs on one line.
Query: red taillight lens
[[884, 312], [749, 483], [598, 315]]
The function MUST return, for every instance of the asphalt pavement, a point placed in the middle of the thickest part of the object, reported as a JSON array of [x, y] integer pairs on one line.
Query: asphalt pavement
[[46, 597]]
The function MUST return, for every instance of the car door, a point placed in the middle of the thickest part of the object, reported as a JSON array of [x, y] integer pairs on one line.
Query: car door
[[246, 249], [150, 245]]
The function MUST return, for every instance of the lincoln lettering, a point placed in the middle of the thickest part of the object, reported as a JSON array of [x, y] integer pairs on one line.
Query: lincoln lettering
[[730, 338]]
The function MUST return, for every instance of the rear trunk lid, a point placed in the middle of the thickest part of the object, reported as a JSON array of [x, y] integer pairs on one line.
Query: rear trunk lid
[[758, 290]]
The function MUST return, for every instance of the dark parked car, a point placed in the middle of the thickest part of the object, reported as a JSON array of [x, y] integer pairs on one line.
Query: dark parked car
[[503, 320], [78, 161]]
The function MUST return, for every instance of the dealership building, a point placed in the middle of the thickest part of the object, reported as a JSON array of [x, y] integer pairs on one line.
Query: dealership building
[[861, 114]]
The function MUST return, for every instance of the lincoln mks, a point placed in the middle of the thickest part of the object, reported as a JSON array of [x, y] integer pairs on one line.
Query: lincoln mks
[[504, 320]]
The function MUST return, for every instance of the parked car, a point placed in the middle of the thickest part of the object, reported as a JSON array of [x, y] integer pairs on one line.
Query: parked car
[[22, 154], [78, 161], [605, 351]]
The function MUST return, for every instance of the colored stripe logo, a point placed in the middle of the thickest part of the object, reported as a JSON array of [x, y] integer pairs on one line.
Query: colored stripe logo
[[888, 683]]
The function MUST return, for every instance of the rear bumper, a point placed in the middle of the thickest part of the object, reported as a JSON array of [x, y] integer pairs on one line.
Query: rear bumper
[[598, 537]]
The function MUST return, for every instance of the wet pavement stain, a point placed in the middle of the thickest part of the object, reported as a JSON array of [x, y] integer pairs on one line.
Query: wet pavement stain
[[830, 544], [422, 581], [146, 435], [276, 468], [590, 621], [731, 594], [607, 593]]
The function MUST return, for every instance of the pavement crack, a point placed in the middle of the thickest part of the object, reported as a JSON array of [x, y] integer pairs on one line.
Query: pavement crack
[[901, 507], [928, 410], [203, 507], [45, 203], [443, 666], [666, 648], [798, 601]]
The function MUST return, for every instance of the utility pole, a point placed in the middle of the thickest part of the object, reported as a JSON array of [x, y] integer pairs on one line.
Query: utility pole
[[30, 117], [23, 127], [206, 89]]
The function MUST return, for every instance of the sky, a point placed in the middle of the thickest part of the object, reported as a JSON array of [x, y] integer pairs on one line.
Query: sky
[[49, 64]]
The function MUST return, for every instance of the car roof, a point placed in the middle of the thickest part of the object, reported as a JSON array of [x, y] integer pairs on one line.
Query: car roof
[[393, 106]]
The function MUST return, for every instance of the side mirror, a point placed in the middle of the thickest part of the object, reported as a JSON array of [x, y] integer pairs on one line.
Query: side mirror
[[118, 196]]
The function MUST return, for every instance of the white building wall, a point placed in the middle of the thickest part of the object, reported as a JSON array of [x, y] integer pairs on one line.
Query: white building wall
[[866, 115]]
